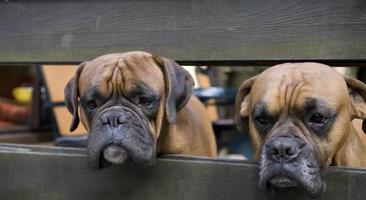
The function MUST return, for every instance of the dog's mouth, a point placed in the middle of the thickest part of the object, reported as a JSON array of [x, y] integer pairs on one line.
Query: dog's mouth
[[120, 154], [279, 182], [120, 136], [287, 162], [114, 154], [300, 174], [129, 149], [279, 178]]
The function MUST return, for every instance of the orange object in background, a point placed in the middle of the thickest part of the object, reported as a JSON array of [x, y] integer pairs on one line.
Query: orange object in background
[[11, 113], [56, 77]]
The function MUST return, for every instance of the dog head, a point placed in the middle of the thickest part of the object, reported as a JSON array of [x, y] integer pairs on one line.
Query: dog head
[[298, 115], [123, 100]]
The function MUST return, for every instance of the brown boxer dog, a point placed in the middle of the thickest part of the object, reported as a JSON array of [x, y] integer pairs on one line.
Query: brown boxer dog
[[134, 106], [300, 118]]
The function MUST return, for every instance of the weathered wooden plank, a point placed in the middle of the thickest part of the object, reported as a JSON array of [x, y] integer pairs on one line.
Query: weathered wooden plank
[[61, 173], [24, 148], [220, 32]]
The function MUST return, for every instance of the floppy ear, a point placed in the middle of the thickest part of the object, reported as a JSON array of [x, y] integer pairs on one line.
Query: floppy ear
[[178, 86], [357, 93], [71, 93], [242, 105]]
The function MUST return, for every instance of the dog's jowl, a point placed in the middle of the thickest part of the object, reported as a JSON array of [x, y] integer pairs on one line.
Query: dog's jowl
[[135, 106], [302, 118]]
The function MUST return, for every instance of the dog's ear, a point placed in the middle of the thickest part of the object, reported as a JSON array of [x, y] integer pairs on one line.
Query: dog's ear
[[357, 93], [178, 86], [242, 105], [71, 93]]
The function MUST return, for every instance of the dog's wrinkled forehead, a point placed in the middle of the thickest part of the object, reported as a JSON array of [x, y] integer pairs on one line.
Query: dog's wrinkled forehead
[[292, 84], [125, 70]]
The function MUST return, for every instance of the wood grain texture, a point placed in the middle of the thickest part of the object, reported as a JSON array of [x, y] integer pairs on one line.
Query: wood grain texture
[[30, 173], [194, 31]]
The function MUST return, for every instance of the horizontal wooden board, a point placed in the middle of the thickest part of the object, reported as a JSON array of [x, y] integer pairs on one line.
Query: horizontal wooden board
[[236, 32], [37, 173]]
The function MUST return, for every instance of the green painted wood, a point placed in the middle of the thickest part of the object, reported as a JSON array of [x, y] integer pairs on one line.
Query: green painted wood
[[194, 31], [37, 173]]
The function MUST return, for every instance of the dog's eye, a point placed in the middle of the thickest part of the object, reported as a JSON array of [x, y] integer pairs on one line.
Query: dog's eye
[[91, 104], [317, 119], [262, 120], [144, 101]]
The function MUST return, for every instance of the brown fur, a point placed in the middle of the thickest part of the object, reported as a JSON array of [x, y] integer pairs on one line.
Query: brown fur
[[285, 87], [190, 133]]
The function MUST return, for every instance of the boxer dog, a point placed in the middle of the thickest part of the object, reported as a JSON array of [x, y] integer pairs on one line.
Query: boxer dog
[[134, 106], [302, 118]]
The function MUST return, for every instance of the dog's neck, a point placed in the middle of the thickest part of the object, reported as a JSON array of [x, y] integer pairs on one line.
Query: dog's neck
[[354, 147], [188, 137]]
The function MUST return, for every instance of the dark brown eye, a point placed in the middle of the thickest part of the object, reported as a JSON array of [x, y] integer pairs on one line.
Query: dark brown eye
[[317, 119], [91, 104], [144, 101], [263, 121]]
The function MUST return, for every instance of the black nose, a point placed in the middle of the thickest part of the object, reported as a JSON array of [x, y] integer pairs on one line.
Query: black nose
[[283, 149], [115, 119]]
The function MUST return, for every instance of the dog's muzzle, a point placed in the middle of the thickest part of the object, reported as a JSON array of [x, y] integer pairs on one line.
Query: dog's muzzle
[[287, 161], [119, 135]]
